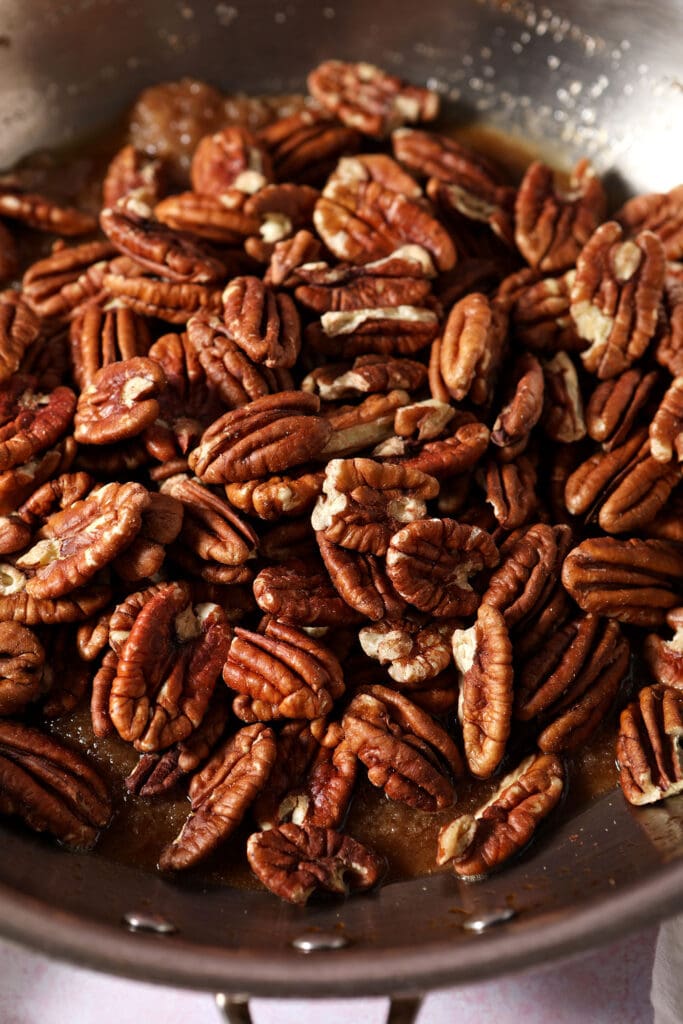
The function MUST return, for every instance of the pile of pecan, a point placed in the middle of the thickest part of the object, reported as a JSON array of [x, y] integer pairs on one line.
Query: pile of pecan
[[327, 451]]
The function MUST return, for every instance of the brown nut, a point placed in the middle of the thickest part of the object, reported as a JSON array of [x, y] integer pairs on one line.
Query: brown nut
[[165, 300], [223, 221], [477, 844], [230, 159], [539, 311], [466, 360], [648, 745], [120, 403], [400, 279], [665, 657], [31, 422], [511, 491], [306, 145], [666, 429], [19, 328], [54, 789], [615, 404], [563, 417], [9, 254], [529, 571], [430, 563], [657, 212], [22, 658], [445, 457], [552, 226], [277, 497], [99, 337], [302, 594], [367, 374], [392, 330], [361, 580], [221, 794], [289, 254], [282, 673], [413, 652], [37, 211], [55, 286], [355, 428], [133, 170], [261, 321], [17, 529], [483, 656], [521, 413], [615, 297], [366, 97], [292, 861]]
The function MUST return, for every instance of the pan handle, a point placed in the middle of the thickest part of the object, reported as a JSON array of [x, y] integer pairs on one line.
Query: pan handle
[[235, 1009]]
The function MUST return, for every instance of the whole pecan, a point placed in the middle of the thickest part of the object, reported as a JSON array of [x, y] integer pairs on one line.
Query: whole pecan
[[562, 418], [666, 429], [19, 328], [22, 658], [99, 337], [665, 657], [55, 286], [366, 97], [615, 297], [221, 220], [406, 752], [364, 502], [661, 213], [292, 861], [390, 330], [271, 435], [552, 226], [282, 211], [221, 794], [302, 594], [615, 404], [231, 158], [37, 211], [167, 300], [31, 422], [430, 563], [361, 580], [483, 656], [633, 581], [367, 374], [54, 789], [523, 409], [476, 844], [120, 403], [281, 673], [306, 145], [263, 322], [648, 745], [465, 361], [167, 668], [414, 652], [511, 491], [133, 170]]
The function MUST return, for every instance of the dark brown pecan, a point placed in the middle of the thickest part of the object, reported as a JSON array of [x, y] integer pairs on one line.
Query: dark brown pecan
[[511, 491], [476, 844], [666, 429], [22, 660], [277, 497], [292, 861], [648, 745], [668, 524], [465, 361], [297, 745], [363, 221], [364, 502], [563, 417], [301, 593], [37, 211], [367, 374], [364, 96], [323, 797], [133, 170], [54, 789], [306, 145], [9, 254], [223, 220], [552, 226], [633, 581], [430, 563], [523, 409], [356, 428], [19, 328], [615, 297], [261, 321], [31, 422], [661, 213], [361, 580], [529, 571], [167, 300], [99, 337], [391, 330], [406, 752], [665, 657], [281, 673], [76, 542], [55, 286], [414, 652], [483, 656], [270, 435], [120, 402], [615, 404], [294, 539], [47, 358], [231, 158], [539, 311], [220, 795]]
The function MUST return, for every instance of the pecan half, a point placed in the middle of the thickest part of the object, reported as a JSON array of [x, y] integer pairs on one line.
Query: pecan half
[[166, 300], [540, 311], [511, 491], [355, 428], [615, 404], [54, 789], [120, 403], [277, 497], [649, 745], [292, 861], [223, 220], [133, 170], [521, 413], [99, 337], [633, 581], [483, 656], [281, 673], [476, 844], [552, 226], [615, 297], [37, 211], [306, 145], [22, 658], [261, 321], [17, 529], [529, 571], [661, 213], [361, 580], [665, 657], [413, 652], [54, 287], [364, 96], [290, 254], [301, 593], [9, 254], [399, 279], [367, 374], [400, 330], [376, 167], [563, 417], [31, 422], [666, 429], [19, 328], [446, 456], [231, 158], [221, 794], [465, 361]]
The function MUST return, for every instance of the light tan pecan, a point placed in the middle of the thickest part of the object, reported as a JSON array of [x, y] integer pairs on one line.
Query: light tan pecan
[[376, 167], [31, 422], [220, 795], [22, 661], [55, 286], [53, 788], [362, 222], [465, 361], [562, 418], [222, 220], [665, 657], [277, 497], [230, 159], [661, 213], [99, 336], [361, 580], [615, 404], [522, 411], [364, 502], [666, 429], [120, 403], [364, 96], [9, 254], [539, 311], [476, 844], [292, 861], [511, 491], [632, 581], [413, 651], [552, 225], [615, 297], [356, 428], [19, 328], [430, 563], [406, 752], [37, 211], [261, 321], [483, 656], [305, 145], [167, 300], [649, 745], [367, 374], [530, 564], [270, 435], [302, 594], [399, 330]]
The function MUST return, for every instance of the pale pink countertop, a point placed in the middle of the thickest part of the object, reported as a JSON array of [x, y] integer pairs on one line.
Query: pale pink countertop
[[610, 986]]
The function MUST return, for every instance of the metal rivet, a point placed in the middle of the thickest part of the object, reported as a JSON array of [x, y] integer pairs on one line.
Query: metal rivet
[[141, 921], [480, 922], [314, 942]]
